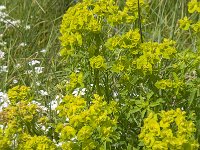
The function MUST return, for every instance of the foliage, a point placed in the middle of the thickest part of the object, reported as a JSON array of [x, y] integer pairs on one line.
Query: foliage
[[88, 127], [168, 130], [119, 86], [22, 122]]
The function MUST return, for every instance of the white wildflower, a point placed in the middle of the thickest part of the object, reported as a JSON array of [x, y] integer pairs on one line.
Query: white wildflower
[[3, 69], [1, 54], [35, 102], [43, 93], [15, 22], [22, 44], [40, 105], [38, 83], [39, 70], [54, 104], [79, 91], [74, 138], [77, 70], [44, 108], [67, 119], [2, 7], [83, 91], [3, 15], [18, 66], [4, 101], [43, 51], [59, 144], [76, 92], [27, 27], [33, 62], [11, 23], [115, 94], [2, 43], [43, 128], [15, 81]]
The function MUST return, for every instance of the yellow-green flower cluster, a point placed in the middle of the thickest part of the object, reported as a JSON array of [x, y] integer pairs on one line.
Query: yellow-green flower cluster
[[168, 130], [163, 84], [129, 14], [18, 119], [18, 116], [75, 79], [87, 127], [129, 40], [196, 27], [187, 57], [36, 143], [132, 7], [71, 106], [78, 20], [117, 67], [4, 141], [19, 93], [167, 83], [153, 52], [22, 118], [193, 6], [97, 62], [87, 19], [185, 23]]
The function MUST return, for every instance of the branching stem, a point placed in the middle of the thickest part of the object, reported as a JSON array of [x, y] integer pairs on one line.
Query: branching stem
[[139, 22]]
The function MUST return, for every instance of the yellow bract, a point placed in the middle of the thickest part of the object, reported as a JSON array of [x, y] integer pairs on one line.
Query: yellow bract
[[168, 130], [152, 53], [36, 143], [86, 124], [193, 6], [75, 79], [185, 23], [19, 93], [129, 40], [196, 27], [88, 19], [97, 62]]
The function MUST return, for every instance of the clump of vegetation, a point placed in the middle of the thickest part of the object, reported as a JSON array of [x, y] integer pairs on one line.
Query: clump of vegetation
[[117, 76], [168, 130]]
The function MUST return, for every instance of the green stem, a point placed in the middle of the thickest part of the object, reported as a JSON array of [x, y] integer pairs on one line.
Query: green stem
[[96, 71], [96, 81], [106, 87], [139, 21]]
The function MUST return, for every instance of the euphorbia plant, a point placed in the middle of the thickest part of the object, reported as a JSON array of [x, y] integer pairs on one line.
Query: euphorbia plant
[[125, 76], [102, 40]]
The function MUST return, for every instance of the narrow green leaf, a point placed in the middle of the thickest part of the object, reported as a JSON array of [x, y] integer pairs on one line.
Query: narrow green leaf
[[192, 96]]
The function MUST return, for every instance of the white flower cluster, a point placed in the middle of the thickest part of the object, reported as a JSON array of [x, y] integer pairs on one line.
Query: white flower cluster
[[4, 101], [37, 70], [43, 108], [2, 55], [4, 18], [79, 91], [3, 69], [8, 21], [54, 103]]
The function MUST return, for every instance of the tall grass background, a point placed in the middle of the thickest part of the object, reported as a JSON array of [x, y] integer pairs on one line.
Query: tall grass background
[[41, 43]]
